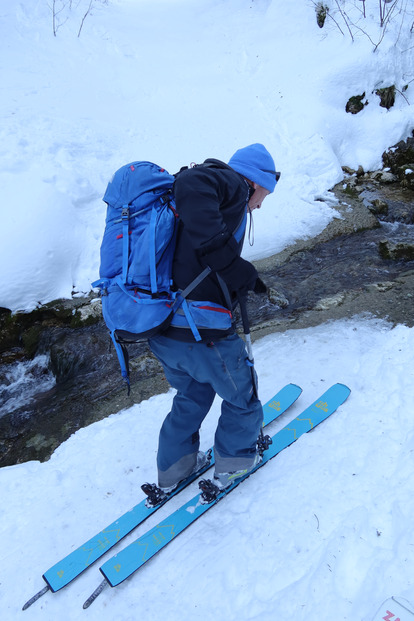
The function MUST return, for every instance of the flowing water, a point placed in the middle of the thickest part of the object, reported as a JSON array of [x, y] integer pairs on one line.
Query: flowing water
[[21, 381]]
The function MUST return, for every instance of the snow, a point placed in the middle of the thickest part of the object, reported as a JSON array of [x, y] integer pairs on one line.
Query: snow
[[175, 82], [325, 530]]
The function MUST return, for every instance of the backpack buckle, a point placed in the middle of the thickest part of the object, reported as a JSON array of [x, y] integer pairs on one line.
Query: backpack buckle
[[125, 212], [166, 198]]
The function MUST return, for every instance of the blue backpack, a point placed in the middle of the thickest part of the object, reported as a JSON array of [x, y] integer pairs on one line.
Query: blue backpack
[[137, 253]]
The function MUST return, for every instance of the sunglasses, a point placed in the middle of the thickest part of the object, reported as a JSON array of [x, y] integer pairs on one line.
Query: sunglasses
[[273, 172]]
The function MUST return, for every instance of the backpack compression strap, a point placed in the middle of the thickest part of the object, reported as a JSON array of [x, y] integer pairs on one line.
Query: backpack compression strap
[[152, 258], [125, 242]]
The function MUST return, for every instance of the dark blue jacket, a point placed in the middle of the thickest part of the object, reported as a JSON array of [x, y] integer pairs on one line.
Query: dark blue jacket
[[211, 203]]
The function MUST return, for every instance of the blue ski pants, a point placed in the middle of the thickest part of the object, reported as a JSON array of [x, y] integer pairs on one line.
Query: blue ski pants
[[199, 371]]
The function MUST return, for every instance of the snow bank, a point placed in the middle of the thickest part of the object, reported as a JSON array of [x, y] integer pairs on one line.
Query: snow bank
[[174, 83]]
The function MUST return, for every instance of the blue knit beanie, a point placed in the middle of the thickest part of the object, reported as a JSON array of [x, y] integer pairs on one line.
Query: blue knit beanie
[[256, 164]]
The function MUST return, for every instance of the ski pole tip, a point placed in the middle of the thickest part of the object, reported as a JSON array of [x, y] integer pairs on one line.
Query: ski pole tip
[[34, 599], [95, 594]]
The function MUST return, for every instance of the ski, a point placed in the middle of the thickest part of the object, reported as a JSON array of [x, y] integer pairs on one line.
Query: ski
[[75, 563], [130, 559]]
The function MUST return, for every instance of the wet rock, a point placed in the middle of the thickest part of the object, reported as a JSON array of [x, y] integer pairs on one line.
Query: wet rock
[[399, 200], [10, 356], [30, 339], [23, 329], [277, 298], [407, 176], [379, 207], [40, 442], [380, 287], [9, 331], [384, 176], [400, 154], [400, 160], [330, 302], [396, 252]]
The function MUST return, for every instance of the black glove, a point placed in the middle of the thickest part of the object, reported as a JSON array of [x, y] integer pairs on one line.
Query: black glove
[[260, 287], [240, 276]]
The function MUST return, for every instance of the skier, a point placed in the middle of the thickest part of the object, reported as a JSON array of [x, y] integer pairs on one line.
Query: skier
[[211, 200]]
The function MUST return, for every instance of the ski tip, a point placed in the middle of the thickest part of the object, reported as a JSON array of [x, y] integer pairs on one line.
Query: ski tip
[[34, 599], [295, 390], [295, 387], [343, 387]]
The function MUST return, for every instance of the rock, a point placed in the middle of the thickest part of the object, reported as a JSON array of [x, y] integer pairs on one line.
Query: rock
[[321, 10], [277, 298], [91, 313], [354, 104], [378, 207], [9, 331], [396, 252], [30, 339], [330, 302], [407, 176], [384, 176], [400, 160], [350, 185], [348, 171], [15, 354], [387, 96], [382, 287]]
